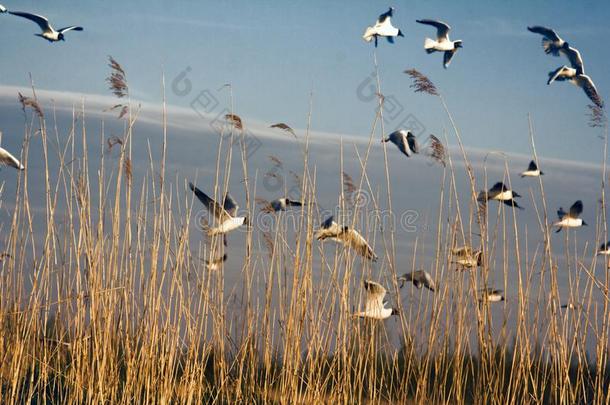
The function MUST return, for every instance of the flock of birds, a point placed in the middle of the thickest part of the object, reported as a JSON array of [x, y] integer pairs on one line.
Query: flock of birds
[[551, 42], [227, 219]]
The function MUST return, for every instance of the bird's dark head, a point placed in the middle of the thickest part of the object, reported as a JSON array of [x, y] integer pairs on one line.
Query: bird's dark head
[[400, 34], [61, 37], [458, 44], [565, 45], [584, 223], [395, 311], [247, 221]]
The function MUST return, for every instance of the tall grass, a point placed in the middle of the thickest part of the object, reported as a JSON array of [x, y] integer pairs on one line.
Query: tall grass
[[111, 300]]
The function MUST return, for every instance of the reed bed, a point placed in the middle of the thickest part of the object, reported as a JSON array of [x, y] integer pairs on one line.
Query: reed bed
[[105, 296]]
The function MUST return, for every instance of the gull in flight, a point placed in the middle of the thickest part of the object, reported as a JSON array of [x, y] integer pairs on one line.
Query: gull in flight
[[383, 28], [551, 42], [467, 257], [490, 295], [583, 81], [442, 42], [419, 278], [225, 214], [215, 264], [532, 171], [374, 307], [604, 249], [7, 159], [404, 140], [281, 204], [570, 219], [346, 236], [48, 32], [499, 192]]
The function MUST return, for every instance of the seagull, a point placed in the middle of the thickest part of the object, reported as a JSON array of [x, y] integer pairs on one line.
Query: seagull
[[551, 42], [225, 214], [347, 236], [499, 192], [7, 159], [532, 171], [419, 278], [383, 28], [282, 203], [572, 305], [404, 140], [466, 257], [561, 74], [490, 295], [48, 32], [604, 249], [2, 9], [216, 263], [570, 219], [442, 43], [374, 306]]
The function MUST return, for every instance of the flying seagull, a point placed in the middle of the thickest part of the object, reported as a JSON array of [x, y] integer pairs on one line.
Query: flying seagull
[[374, 307], [572, 305], [604, 249], [7, 159], [48, 32], [532, 171], [215, 263], [490, 295], [419, 278], [583, 81], [466, 257], [347, 236], [282, 203], [383, 28], [404, 140], [551, 42], [570, 219], [442, 43], [499, 192], [225, 214]]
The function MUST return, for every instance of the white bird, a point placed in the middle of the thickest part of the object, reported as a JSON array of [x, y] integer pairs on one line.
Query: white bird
[[583, 81], [572, 305], [532, 171], [404, 140], [383, 28], [419, 278], [490, 295], [466, 257], [551, 42], [442, 43], [225, 214], [346, 236], [499, 192], [215, 263], [7, 159], [570, 219], [604, 249], [562, 73], [48, 32], [2, 9], [574, 57], [282, 203], [374, 307]]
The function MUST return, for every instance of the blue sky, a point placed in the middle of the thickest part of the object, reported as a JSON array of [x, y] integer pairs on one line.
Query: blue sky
[[275, 54]]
